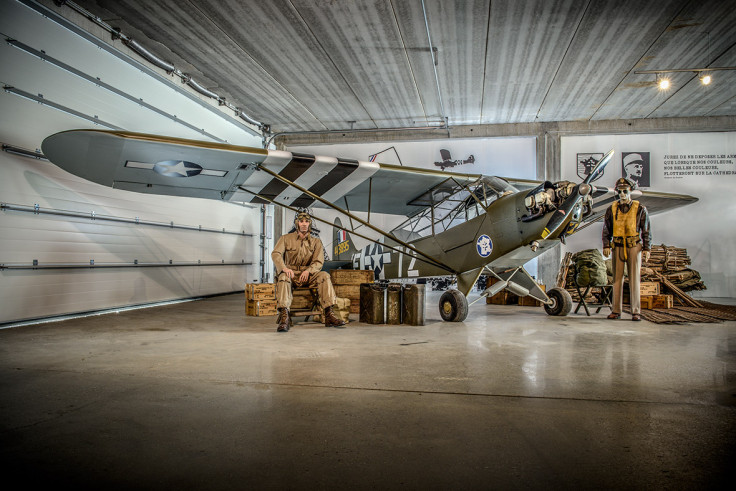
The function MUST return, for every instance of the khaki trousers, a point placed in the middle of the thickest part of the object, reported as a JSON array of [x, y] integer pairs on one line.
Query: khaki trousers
[[320, 280], [631, 258]]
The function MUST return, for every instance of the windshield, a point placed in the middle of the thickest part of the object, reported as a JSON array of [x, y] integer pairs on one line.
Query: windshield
[[450, 204]]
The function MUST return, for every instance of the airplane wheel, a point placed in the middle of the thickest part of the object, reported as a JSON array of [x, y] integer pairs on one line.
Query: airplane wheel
[[453, 306], [561, 302]]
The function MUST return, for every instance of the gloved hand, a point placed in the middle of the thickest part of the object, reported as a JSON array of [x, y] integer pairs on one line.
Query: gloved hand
[[606, 251], [645, 256]]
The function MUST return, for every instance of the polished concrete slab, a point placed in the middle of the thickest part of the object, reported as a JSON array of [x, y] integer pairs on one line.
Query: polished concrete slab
[[197, 396]]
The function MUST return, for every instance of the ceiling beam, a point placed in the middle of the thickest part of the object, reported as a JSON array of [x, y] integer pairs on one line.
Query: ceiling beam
[[559, 128]]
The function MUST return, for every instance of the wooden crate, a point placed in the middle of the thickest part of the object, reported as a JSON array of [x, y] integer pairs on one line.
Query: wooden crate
[[528, 301], [301, 299], [260, 307], [662, 301], [351, 276], [260, 291], [503, 298], [348, 291], [647, 301], [649, 288]]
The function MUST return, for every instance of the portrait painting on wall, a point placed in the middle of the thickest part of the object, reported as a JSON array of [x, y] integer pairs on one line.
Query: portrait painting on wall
[[635, 166]]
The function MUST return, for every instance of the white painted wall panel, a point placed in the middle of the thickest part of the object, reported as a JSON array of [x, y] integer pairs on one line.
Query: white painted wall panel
[[51, 239], [26, 25]]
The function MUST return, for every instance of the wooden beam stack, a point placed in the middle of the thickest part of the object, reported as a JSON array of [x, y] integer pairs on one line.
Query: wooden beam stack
[[672, 264]]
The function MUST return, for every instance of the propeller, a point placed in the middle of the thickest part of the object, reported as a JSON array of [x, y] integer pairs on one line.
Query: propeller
[[580, 191]]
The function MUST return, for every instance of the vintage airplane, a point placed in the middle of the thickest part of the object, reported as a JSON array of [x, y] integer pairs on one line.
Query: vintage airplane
[[456, 224], [448, 162]]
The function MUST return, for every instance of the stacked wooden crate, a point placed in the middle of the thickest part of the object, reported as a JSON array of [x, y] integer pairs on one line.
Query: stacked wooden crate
[[649, 288], [260, 299], [301, 299], [347, 284], [529, 301], [657, 301], [505, 297], [651, 297]]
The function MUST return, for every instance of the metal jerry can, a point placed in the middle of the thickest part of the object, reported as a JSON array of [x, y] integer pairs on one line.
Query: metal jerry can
[[372, 298], [413, 305], [393, 303]]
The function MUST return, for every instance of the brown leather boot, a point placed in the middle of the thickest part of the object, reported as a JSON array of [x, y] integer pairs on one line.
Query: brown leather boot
[[283, 320], [331, 320]]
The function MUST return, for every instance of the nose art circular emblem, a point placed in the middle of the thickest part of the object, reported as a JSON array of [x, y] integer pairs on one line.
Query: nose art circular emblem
[[484, 246], [177, 168]]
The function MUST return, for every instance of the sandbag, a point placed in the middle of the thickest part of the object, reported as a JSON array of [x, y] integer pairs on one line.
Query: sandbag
[[341, 309], [590, 268]]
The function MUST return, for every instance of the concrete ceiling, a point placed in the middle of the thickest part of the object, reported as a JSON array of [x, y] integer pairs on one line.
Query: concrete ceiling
[[329, 65]]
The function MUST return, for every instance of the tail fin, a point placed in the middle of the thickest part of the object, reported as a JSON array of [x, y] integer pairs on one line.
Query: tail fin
[[343, 247]]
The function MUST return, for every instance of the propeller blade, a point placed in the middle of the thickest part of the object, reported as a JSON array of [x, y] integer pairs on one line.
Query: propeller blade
[[599, 167], [562, 213], [600, 191], [581, 190]]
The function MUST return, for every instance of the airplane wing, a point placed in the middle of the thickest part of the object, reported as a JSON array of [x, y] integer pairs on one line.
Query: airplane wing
[[179, 167], [655, 203]]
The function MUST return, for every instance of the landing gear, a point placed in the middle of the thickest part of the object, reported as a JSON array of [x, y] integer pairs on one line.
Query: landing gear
[[454, 306], [561, 302]]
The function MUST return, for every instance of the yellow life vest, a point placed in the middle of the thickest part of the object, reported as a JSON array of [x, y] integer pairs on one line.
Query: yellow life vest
[[624, 224]]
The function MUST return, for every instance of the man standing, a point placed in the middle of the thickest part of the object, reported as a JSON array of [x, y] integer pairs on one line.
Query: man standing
[[626, 230], [298, 258]]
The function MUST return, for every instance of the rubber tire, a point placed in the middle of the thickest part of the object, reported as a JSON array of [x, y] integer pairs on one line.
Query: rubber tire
[[453, 306], [561, 302]]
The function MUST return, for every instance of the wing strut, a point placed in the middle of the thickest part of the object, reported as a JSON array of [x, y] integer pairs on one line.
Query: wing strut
[[429, 260]]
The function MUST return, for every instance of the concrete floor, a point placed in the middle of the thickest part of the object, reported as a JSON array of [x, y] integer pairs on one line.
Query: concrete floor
[[197, 396]]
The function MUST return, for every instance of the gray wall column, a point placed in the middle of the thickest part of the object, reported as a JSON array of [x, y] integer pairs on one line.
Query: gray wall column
[[548, 168]]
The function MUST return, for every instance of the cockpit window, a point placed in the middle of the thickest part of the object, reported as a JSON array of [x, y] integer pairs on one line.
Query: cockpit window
[[451, 204]]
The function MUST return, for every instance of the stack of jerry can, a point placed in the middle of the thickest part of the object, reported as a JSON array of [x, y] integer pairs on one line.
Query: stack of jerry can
[[372, 300], [412, 308], [392, 304]]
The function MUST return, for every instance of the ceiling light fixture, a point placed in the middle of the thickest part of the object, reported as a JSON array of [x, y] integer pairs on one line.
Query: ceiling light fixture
[[704, 75]]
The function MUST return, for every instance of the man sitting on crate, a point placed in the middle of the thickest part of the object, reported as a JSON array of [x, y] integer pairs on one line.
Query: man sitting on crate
[[626, 228], [298, 258]]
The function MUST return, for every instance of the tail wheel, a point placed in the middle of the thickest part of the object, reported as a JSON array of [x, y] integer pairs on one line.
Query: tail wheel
[[453, 306], [561, 302]]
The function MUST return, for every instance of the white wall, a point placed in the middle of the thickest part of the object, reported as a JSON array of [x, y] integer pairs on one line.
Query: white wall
[[507, 157], [707, 229], [50, 239]]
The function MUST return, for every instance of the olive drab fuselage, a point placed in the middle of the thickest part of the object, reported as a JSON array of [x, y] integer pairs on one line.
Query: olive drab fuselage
[[458, 247]]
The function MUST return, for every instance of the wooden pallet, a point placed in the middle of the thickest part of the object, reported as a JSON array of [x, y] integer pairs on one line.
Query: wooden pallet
[[707, 313]]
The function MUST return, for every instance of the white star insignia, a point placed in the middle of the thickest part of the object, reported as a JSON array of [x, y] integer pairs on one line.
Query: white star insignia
[[179, 168]]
